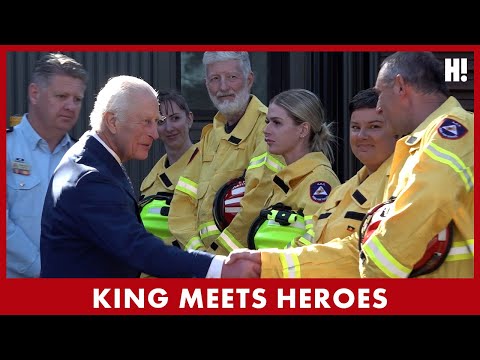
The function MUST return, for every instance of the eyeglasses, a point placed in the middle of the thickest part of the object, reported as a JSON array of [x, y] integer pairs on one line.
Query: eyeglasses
[[151, 123], [162, 119]]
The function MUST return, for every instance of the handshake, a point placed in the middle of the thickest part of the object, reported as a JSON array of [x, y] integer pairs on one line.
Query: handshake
[[242, 263]]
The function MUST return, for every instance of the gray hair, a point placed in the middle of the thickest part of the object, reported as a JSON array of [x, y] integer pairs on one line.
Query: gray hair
[[57, 64], [422, 70], [115, 97], [304, 106], [210, 57]]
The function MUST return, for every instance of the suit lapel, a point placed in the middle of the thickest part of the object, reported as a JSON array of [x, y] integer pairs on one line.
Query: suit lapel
[[109, 165]]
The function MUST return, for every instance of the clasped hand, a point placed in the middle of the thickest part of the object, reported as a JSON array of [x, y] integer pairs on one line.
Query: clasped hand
[[242, 263]]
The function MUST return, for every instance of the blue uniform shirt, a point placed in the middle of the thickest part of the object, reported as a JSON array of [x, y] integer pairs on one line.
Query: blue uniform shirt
[[30, 165]]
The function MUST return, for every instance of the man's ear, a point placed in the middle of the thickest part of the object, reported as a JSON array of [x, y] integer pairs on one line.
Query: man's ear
[[110, 121], [250, 79], [400, 84], [33, 92]]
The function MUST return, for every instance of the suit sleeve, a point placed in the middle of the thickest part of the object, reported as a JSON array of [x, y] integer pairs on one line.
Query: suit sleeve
[[108, 217]]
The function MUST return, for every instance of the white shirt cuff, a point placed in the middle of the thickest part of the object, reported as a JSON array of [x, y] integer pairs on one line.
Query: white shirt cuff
[[216, 266]]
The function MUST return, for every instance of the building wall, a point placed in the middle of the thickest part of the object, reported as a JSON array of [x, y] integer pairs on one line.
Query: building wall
[[334, 76]]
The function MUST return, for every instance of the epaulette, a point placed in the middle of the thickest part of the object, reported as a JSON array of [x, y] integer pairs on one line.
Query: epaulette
[[9, 129], [205, 130]]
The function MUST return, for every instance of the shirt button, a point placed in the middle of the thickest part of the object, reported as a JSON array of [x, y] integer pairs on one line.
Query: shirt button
[[22, 184]]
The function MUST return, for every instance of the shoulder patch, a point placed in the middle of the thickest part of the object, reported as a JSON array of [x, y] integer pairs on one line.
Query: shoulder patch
[[319, 191], [451, 129], [9, 129]]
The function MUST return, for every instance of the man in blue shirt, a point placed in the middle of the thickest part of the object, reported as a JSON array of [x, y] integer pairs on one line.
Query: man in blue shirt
[[34, 149]]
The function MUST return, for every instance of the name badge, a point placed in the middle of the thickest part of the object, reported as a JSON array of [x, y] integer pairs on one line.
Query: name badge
[[20, 167]]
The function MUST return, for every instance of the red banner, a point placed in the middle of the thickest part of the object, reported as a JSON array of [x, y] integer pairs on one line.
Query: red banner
[[238, 297], [235, 297]]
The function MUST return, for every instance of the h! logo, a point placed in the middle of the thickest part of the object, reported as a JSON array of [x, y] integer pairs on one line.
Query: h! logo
[[456, 67]]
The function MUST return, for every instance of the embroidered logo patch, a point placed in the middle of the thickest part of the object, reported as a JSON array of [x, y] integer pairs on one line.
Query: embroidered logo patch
[[451, 129], [319, 191]]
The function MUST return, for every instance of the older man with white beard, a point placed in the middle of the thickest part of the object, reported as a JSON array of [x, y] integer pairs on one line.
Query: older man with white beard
[[233, 143]]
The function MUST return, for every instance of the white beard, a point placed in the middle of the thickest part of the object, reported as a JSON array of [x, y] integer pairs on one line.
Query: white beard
[[232, 107]]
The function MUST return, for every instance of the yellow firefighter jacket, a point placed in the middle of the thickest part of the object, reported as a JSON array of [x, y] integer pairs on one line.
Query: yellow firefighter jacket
[[303, 185], [335, 232], [432, 179], [258, 185], [164, 179], [348, 204], [222, 157]]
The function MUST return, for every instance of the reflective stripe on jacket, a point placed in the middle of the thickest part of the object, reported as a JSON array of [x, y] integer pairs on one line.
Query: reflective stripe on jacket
[[335, 254], [258, 184], [432, 179], [304, 185], [222, 157]]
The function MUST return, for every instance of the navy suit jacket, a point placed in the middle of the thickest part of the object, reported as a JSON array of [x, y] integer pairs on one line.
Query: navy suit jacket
[[91, 225]]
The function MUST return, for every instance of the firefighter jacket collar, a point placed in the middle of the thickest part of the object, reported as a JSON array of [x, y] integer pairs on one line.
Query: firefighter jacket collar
[[365, 188], [247, 122], [293, 174], [172, 172]]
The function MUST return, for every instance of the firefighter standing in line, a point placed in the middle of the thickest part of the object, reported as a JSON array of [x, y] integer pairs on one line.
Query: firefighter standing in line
[[431, 177], [372, 142], [158, 186], [226, 150], [297, 130], [336, 223], [432, 171]]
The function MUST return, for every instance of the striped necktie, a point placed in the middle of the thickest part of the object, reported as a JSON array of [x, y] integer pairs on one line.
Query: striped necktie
[[128, 179]]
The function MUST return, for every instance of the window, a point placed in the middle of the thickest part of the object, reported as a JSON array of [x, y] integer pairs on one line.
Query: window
[[192, 82]]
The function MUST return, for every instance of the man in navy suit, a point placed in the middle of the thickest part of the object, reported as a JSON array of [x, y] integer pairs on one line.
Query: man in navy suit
[[91, 227]]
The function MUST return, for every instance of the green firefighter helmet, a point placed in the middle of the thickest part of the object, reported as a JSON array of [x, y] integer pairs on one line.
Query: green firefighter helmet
[[276, 227], [154, 211]]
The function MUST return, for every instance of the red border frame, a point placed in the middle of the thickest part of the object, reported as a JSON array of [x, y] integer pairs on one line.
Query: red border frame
[[75, 297]]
